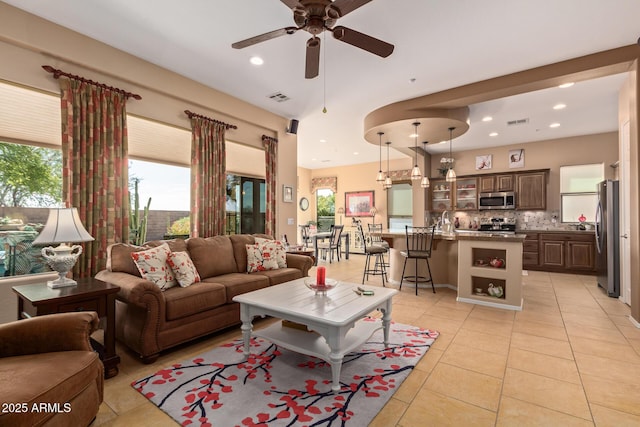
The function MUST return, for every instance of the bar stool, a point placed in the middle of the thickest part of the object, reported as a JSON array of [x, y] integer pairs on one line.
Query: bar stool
[[375, 231], [419, 245], [377, 252]]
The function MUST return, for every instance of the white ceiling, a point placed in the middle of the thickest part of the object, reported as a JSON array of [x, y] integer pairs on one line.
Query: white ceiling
[[440, 44]]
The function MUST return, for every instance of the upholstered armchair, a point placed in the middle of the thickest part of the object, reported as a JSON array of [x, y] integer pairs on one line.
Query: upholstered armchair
[[49, 374]]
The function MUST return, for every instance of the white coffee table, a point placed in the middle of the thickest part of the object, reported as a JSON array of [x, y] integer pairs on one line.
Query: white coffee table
[[336, 317]]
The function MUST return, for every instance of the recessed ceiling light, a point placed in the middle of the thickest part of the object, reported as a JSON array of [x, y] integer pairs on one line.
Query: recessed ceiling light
[[487, 118], [355, 153], [493, 134], [565, 85], [559, 106], [256, 60], [554, 125], [323, 140]]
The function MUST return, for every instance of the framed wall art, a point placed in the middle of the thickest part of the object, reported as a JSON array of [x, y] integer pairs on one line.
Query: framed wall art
[[483, 162], [358, 203], [287, 193], [516, 158]]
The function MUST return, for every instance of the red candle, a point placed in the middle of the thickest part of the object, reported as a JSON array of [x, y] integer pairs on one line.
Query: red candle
[[321, 273]]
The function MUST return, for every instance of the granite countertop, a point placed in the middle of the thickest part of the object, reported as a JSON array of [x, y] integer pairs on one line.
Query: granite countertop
[[465, 235], [555, 230]]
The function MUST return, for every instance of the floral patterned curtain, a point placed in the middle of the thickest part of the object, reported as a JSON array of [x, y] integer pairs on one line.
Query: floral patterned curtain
[[330, 182], [95, 166], [271, 163], [208, 177]]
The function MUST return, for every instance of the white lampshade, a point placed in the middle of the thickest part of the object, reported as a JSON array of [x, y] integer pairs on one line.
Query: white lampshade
[[416, 173], [425, 182], [380, 177], [451, 175], [63, 226]]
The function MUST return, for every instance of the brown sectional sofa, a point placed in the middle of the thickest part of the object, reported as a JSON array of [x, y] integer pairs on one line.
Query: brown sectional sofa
[[149, 320]]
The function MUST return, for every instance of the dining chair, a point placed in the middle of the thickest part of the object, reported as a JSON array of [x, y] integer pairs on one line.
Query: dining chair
[[306, 234], [419, 245], [334, 244], [379, 268]]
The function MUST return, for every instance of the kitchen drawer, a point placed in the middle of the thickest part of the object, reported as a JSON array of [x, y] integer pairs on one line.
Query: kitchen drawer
[[530, 246], [529, 259]]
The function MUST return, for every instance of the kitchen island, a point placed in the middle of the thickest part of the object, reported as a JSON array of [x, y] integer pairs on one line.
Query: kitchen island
[[462, 260]]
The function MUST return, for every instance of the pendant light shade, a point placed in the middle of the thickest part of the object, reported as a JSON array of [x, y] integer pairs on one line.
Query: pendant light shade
[[380, 177], [387, 181], [424, 183], [451, 174], [415, 172]]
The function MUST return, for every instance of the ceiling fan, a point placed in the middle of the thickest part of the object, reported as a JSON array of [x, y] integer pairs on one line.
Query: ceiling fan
[[316, 16]]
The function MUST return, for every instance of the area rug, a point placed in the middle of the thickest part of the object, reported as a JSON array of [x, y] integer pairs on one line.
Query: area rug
[[278, 387]]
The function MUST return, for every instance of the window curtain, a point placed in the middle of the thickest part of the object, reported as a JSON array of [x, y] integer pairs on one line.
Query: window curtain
[[271, 162], [95, 166], [208, 177], [330, 182]]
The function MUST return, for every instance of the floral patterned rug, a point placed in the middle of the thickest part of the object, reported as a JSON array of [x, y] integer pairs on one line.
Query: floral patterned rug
[[278, 387]]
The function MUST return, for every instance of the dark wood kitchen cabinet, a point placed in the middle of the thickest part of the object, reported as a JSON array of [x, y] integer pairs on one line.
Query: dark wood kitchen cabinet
[[531, 190], [570, 252], [530, 251], [496, 183]]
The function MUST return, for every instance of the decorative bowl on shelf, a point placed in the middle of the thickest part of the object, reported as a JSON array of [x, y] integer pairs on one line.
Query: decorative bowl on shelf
[[320, 289]]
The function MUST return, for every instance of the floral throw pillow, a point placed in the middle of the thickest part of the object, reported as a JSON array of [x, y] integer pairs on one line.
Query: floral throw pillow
[[183, 268], [276, 248], [153, 266], [260, 258]]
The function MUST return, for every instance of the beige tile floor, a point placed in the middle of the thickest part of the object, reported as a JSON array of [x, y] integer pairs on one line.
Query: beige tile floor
[[570, 358]]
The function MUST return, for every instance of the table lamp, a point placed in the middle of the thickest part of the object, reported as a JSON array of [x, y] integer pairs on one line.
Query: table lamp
[[373, 211], [340, 212], [63, 226]]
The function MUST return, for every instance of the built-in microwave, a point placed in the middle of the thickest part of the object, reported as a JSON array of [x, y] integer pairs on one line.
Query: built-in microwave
[[503, 200]]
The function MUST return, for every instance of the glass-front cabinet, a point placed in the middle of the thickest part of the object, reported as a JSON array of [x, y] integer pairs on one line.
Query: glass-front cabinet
[[466, 194], [440, 195]]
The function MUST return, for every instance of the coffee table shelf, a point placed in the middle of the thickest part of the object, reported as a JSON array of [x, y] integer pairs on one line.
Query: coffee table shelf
[[314, 344]]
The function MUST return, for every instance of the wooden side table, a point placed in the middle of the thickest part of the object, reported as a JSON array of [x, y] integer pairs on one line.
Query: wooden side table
[[88, 295]]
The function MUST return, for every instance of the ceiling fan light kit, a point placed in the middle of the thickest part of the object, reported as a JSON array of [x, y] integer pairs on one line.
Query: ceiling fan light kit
[[315, 17]]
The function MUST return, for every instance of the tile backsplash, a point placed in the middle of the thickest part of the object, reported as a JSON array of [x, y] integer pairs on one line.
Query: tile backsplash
[[525, 220]]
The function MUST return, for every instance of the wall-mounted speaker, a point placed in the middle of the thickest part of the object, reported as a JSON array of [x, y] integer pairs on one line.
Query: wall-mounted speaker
[[293, 127]]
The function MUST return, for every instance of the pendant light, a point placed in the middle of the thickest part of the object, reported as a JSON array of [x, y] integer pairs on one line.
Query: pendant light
[[387, 181], [425, 179], [451, 174], [380, 177], [415, 172]]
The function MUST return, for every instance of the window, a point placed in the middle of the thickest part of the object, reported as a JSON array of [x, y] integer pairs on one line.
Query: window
[[578, 191], [325, 208], [400, 206]]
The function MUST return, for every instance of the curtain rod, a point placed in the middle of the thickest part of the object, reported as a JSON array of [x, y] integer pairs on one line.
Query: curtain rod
[[269, 138], [57, 73], [226, 125]]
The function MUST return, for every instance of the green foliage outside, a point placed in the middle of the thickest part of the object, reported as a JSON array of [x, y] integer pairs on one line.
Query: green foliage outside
[[180, 227], [326, 205], [30, 176]]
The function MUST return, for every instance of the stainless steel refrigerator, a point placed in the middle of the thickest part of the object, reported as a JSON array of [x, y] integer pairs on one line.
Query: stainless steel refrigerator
[[608, 237]]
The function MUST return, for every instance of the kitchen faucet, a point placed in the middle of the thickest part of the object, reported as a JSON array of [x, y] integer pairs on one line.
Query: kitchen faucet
[[445, 227]]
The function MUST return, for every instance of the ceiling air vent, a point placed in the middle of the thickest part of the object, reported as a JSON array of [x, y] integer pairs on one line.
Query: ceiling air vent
[[518, 122], [279, 97]]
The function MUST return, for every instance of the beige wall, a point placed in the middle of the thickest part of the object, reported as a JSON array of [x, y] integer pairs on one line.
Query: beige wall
[[28, 42], [549, 154]]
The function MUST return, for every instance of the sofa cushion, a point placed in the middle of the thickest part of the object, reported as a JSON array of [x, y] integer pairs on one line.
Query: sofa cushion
[[240, 242], [276, 248], [183, 302], [212, 256], [175, 245], [183, 268], [29, 379], [280, 275], [153, 266], [119, 258], [240, 283]]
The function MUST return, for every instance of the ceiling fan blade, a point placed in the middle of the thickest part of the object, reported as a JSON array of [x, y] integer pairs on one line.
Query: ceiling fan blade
[[264, 37], [313, 58], [347, 6], [363, 41], [292, 4]]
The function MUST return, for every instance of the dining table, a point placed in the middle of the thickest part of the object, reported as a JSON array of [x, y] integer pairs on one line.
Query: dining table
[[321, 235]]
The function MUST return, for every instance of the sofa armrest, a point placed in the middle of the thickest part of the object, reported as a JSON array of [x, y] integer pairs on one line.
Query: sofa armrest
[[301, 262], [49, 333], [134, 290]]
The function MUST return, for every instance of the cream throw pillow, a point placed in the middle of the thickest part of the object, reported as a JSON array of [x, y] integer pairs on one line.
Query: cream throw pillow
[[153, 266], [277, 250], [183, 268], [260, 258]]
